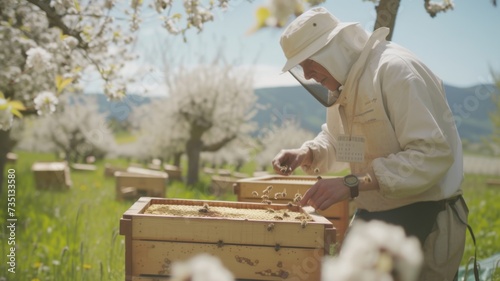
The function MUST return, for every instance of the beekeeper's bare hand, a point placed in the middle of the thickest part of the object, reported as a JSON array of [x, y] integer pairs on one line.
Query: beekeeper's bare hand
[[325, 192], [287, 160]]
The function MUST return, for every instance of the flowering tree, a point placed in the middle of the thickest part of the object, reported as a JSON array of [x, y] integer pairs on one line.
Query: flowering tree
[[48, 46], [288, 134], [77, 130], [159, 133], [236, 153], [207, 107]]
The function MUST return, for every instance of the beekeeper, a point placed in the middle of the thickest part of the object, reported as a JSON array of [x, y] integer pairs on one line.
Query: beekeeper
[[388, 118]]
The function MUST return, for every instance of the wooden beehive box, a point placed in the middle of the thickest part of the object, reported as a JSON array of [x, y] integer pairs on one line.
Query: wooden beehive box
[[245, 189], [221, 184], [252, 249], [134, 185], [51, 175], [110, 170], [174, 172]]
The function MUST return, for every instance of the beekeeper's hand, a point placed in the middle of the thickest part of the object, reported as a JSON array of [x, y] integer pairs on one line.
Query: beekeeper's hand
[[287, 160], [325, 192]]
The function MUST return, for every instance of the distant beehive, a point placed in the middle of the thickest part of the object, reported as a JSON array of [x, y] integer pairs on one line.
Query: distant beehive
[[51, 175], [140, 182]]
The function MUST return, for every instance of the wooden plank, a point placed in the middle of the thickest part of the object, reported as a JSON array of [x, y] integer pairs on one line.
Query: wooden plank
[[150, 172], [154, 259], [126, 230], [213, 230], [292, 184], [339, 210], [138, 207], [149, 279], [245, 190], [227, 230]]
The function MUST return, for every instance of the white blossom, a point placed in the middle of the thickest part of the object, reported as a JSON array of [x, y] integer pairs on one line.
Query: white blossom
[[71, 42], [171, 27], [62, 6], [375, 251], [45, 103], [202, 267], [38, 59], [433, 8]]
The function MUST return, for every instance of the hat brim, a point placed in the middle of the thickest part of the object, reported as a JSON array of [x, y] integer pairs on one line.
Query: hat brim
[[315, 46]]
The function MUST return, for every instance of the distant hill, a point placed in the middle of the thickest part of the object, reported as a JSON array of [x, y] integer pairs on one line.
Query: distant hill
[[471, 107]]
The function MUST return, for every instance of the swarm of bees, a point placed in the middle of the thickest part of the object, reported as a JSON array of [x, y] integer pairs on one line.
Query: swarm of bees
[[280, 216], [266, 192]]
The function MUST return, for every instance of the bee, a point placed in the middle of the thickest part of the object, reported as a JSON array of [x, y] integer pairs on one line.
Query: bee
[[269, 210], [265, 201], [265, 197], [278, 218], [284, 169], [255, 193], [303, 223], [300, 217], [220, 243], [203, 209], [270, 227], [297, 197], [285, 214], [269, 188], [316, 170], [290, 204], [318, 177], [283, 193]]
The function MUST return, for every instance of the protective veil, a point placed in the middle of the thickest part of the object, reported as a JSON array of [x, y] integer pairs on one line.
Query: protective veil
[[340, 54]]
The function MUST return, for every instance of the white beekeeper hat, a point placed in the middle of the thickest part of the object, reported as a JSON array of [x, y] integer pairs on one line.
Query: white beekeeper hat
[[309, 33]]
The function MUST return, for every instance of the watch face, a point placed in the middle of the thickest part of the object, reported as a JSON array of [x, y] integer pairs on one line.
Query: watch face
[[351, 180]]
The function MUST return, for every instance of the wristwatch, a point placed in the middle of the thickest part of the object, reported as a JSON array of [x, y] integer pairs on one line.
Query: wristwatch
[[352, 182]]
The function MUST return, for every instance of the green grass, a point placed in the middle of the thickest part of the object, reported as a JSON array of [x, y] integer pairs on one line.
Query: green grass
[[74, 234], [484, 217]]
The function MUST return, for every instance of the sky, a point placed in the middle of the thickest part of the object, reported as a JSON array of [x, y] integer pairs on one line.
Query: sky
[[461, 46]]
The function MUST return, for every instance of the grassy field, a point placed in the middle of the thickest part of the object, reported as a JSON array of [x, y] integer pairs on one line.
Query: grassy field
[[73, 235]]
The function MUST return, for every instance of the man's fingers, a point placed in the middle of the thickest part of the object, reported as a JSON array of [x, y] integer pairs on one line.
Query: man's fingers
[[325, 204], [308, 195]]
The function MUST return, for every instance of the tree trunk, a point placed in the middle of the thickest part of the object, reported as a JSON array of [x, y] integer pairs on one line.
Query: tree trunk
[[177, 159], [4, 149], [193, 150], [386, 15]]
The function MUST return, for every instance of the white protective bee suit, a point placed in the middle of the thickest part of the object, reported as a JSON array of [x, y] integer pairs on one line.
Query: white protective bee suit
[[412, 145]]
